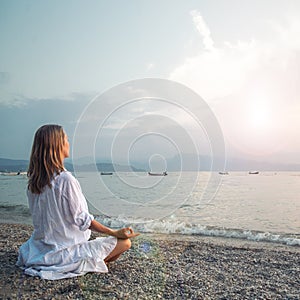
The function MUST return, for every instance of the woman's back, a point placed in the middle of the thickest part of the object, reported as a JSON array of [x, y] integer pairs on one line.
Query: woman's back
[[60, 214]]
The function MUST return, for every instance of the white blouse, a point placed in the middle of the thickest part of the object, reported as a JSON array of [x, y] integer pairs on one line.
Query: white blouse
[[59, 247]]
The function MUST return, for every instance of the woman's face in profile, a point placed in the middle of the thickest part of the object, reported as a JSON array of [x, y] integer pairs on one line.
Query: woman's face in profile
[[66, 147]]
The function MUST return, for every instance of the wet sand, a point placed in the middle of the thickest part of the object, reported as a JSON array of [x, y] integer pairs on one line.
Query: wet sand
[[165, 267]]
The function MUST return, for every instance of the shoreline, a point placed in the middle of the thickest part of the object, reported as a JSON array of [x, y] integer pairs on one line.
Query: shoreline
[[267, 239], [165, 267]]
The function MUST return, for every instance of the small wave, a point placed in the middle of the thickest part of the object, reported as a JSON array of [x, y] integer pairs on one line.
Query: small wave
[[185, 228], [15, 210]]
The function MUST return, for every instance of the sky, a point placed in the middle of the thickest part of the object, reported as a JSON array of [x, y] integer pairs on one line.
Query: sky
[[241, 57]]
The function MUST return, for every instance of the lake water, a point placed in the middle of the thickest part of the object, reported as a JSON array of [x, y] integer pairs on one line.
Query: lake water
[[263, 207]]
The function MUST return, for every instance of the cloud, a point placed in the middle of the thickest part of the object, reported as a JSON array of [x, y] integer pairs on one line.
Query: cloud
[[288, 33], [203, 29], [19, 122], [216, 72], [221, 71], [236, 74]]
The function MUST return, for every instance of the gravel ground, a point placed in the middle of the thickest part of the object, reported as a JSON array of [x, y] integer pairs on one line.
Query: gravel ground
[[165, 267]]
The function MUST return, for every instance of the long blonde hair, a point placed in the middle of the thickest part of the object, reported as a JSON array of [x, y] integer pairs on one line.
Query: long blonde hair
[[46, 157]]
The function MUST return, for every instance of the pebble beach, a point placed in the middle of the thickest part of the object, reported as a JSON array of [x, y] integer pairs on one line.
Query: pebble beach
[[165, 267]]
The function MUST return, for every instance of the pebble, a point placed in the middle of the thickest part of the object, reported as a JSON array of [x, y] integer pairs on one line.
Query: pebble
[[175, 268]]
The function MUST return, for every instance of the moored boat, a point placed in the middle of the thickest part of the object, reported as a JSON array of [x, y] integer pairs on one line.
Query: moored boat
[[106, 173], [223, 173], [13, 173], [158, 174]]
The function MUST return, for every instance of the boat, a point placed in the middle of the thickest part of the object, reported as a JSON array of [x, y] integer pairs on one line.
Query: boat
[[158, 174], [223, 173], [13, 173], [106, 173], [253, 172]]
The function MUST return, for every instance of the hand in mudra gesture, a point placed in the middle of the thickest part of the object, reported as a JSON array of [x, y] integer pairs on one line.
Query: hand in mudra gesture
[[125, 233]]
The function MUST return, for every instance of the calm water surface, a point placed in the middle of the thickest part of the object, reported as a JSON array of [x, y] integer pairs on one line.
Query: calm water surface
[[262, 207]]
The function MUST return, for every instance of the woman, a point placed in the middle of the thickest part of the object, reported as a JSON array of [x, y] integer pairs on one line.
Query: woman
[[59, 247]]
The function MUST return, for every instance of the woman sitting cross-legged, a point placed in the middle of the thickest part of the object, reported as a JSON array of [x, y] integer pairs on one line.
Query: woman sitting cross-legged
[[59, 246]]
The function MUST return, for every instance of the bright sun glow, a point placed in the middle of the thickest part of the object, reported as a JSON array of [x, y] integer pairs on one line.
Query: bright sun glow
[[258, 115], [256, 125]]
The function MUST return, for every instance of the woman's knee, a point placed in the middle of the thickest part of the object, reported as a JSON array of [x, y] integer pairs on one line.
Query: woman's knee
[[127, 244]]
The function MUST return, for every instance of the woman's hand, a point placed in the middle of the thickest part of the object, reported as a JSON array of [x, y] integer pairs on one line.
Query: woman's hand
[[125, 233]]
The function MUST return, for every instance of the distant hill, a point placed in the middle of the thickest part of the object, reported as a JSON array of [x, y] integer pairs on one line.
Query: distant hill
[[237, 164], [173, 164], [11, 165], [232, 164], [107, 167], [192, 162]]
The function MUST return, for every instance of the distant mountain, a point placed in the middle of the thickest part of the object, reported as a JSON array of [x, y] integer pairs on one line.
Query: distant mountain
[[238, 164], [11, 165], [190, 162], [107, 167]]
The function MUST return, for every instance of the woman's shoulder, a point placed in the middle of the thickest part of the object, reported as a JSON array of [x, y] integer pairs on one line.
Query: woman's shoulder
[[65, 176], [65, 181]]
